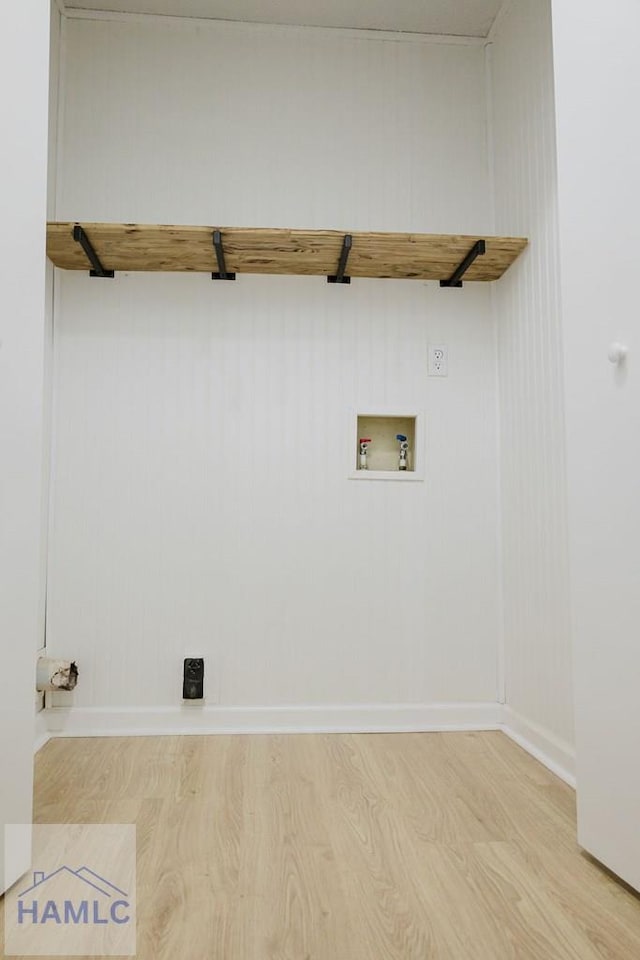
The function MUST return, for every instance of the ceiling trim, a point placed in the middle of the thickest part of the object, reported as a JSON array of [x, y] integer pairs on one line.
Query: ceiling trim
[[499, 18], [399, 36]]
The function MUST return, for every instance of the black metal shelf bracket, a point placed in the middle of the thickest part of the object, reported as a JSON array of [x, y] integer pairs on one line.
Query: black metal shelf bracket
[[455, 280], [339, 276], [97, 270], [222, 272]]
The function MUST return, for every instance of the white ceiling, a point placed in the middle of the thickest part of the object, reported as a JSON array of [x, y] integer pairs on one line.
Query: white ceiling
[[465, 18]]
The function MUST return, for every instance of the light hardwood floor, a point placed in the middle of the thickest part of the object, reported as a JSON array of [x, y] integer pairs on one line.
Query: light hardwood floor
[[446, 846]]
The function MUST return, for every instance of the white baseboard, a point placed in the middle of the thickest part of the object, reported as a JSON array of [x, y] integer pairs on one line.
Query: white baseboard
[[556, 754], [42, 734], [189, 719]]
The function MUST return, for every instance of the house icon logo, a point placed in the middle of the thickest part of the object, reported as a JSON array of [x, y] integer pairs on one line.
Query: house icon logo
[[68, 896], [80, 897]]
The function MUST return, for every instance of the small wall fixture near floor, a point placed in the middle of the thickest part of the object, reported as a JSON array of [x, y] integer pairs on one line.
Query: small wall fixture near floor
[[387, 447]]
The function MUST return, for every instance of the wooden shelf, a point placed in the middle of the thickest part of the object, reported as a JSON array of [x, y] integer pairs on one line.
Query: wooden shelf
[[406, 256]]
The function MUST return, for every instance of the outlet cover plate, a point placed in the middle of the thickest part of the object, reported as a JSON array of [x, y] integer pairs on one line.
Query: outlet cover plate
[[193, 678], [438, 363]]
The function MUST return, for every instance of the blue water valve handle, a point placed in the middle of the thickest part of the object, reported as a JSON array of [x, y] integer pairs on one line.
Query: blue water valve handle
[[404, 447]]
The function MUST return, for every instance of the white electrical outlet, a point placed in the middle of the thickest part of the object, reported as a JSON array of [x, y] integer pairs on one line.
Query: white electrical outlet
[[437, 366]]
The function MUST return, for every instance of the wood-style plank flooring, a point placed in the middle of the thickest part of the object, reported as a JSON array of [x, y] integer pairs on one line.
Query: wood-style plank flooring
[[444, 846]]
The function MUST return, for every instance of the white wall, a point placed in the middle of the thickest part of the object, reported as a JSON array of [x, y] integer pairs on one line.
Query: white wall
[[55, 42], [251, 125], [532, 453], [598, 84], [24, 58], [200, 495]]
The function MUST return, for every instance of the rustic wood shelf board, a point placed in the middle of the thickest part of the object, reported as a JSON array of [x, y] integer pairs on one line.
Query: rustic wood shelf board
[[138, 247]]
